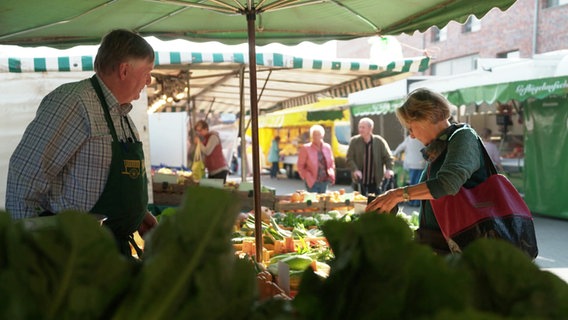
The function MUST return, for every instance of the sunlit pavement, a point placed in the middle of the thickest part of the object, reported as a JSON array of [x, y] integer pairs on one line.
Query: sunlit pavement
[[552, 233]]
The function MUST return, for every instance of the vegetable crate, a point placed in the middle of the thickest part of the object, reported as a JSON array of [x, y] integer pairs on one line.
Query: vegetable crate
[[344, 205], [267, 199], [308, 207], [169, 194]]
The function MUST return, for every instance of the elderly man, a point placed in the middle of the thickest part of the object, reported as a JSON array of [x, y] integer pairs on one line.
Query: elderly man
[[369, 158], [82, 151]]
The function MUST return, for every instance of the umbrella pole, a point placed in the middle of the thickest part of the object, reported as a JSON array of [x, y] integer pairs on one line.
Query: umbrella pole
[[242, 129], [251, 16]]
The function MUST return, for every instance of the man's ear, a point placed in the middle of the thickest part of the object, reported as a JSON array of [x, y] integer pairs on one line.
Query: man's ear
[[123, 70]]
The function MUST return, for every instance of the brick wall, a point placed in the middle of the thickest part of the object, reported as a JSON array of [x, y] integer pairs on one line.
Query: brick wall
[[500, 32]]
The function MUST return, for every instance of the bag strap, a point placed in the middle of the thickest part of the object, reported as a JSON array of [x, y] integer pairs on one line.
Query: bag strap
[[489, 165], [491, 170]]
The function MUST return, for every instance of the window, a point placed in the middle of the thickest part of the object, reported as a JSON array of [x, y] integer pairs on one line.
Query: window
[[509, 54], [472, 24], [439, 34], [554, 3], [455, 66]]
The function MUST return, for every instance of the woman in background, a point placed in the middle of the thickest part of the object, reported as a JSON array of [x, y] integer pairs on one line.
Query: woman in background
[[316, 164], [210, 145]]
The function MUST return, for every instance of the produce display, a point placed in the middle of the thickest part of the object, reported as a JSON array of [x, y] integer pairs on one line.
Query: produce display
[[67, 267], [172, 176], [305, 202]]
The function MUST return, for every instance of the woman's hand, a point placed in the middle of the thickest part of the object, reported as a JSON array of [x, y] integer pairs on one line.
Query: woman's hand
[[385, 202]]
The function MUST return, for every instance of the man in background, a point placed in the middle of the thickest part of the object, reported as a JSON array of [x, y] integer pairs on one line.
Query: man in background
[[369, 158]]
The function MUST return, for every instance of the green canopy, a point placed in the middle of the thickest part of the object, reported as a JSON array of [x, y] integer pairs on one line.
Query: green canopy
[[65, 23], [503, 92], [325, 115], [376, 108]]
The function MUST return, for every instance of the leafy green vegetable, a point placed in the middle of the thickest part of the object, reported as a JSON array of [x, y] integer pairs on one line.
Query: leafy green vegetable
[[68, 267], [61, 267], [166, 212], [379, 273], [509, 284], [322, 218], [190, 270]]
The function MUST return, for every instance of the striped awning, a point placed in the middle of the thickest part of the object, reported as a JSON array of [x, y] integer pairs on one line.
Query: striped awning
[[213, 78]]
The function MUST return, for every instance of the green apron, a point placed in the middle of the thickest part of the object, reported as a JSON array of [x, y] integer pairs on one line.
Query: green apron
[[125, 197]]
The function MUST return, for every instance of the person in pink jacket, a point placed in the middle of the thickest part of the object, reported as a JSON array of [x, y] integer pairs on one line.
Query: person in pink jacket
[[316, 164]]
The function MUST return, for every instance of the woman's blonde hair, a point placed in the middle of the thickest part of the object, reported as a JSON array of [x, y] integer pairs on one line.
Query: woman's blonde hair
[[423, 104]]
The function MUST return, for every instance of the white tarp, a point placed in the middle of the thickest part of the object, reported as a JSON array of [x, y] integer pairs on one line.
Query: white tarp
[[22, 94], [168, 139]]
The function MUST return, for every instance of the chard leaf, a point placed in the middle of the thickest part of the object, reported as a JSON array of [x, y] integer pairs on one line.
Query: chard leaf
[[508, 283], [377, 273], [65, 267], [190, 270]]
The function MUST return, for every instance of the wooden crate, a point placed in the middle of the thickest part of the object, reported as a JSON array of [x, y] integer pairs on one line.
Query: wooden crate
[[343, 206], [167, 198], [267, 199], [169, 194], [283, 204], [173, 187]]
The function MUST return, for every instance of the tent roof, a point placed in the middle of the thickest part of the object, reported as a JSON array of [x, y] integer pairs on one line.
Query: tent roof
[[64, 23], [517, 90], [214, 79], [500, 80]]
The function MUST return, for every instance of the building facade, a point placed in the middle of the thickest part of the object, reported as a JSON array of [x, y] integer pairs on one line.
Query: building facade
[[527, 28]]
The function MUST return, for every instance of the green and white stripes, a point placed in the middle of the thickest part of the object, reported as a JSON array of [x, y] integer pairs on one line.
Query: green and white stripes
[[173, 58]]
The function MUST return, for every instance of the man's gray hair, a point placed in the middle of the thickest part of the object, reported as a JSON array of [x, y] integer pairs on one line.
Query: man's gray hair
[[368, 121]]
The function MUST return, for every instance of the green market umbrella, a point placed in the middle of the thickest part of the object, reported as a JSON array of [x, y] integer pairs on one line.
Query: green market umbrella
[[65, 23]]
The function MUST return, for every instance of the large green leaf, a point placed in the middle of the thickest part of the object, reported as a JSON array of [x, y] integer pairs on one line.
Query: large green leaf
[[190, 270], [61, 267]]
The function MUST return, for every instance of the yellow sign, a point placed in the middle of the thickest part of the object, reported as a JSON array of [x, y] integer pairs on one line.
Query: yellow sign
[[133, 168]]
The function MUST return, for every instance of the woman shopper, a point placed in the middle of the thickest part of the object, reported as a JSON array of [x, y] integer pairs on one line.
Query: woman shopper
[[210, 145], [454, 159], [316, 164]]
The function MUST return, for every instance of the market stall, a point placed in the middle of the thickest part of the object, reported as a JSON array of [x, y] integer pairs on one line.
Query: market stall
[[190, 264], [216, 82]]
